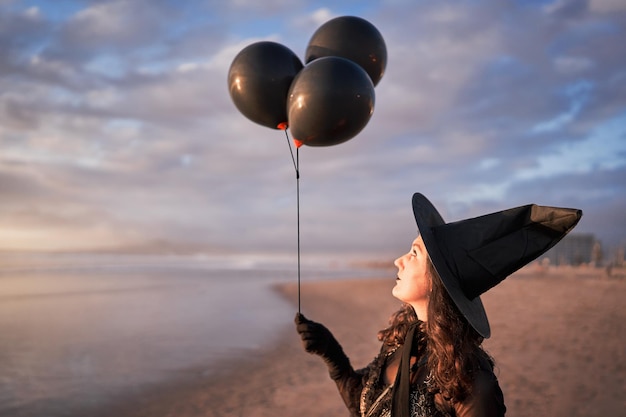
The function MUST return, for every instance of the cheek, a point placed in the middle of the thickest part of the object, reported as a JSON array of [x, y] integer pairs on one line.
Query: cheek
[[414, 289]]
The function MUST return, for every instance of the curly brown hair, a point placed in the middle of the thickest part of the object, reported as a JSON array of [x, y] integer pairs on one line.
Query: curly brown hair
[[453, 346]]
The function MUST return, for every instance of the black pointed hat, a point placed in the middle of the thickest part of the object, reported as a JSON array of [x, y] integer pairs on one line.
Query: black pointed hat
[[473, 255]]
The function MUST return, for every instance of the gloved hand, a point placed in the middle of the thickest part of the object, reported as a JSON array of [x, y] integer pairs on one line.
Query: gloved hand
[[318, 340]]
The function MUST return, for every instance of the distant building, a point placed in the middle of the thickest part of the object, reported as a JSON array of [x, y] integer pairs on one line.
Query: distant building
[[574, 249]]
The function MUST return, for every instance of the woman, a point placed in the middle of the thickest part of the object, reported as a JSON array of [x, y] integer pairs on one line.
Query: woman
[[431, 362]]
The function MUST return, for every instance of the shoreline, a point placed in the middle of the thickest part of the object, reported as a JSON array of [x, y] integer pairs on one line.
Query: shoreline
[[282, 379], [557, 341]]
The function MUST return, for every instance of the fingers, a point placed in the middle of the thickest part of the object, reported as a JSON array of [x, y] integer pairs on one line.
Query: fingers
[[309, 327], [312, 342], [305, 325], [314, 335], [300, 319]]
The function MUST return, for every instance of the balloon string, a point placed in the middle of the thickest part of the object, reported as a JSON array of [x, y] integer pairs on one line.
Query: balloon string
[[298, 206], [296, 165]]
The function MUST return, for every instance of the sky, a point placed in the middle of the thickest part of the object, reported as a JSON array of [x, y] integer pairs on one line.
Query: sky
[[117, 130]]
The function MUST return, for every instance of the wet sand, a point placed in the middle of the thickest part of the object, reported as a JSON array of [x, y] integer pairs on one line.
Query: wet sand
[[558, 337]]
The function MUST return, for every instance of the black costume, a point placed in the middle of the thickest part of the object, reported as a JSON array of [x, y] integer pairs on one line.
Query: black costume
[[366, 395]]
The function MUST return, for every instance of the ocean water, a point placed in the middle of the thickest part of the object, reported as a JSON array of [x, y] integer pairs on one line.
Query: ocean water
[[79, 331]]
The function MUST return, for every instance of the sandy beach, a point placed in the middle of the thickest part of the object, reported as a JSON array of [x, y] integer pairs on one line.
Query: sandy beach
[[558, 338]]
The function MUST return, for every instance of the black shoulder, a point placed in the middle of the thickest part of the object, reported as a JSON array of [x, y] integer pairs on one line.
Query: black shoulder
[[485, 399]]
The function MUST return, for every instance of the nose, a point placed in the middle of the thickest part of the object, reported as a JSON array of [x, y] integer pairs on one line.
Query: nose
[[398, 262]]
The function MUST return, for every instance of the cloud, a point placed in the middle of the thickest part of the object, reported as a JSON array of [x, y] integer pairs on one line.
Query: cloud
[[115, 123]]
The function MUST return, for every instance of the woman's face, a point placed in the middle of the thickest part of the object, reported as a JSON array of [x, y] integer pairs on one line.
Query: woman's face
[[413, 284]]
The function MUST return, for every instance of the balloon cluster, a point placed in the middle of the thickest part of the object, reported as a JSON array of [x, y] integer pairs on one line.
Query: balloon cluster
[[325, 102]]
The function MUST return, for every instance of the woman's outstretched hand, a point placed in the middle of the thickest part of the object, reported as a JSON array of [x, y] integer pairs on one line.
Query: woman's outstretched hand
[[317, 339], [315, 336]]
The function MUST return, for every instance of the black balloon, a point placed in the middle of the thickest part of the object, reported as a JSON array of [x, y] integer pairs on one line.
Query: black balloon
[[259, 79], [352, 38], [330, 101]]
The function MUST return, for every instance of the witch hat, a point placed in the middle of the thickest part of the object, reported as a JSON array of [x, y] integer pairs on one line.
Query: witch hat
[[473, 255]]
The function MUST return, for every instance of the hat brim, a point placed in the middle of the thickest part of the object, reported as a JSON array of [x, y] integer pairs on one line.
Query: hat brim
[[427, 217]]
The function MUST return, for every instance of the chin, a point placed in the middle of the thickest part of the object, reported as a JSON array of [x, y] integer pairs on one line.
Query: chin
[[394, 292]]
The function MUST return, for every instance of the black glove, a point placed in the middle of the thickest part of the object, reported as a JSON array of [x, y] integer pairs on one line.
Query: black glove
[[318, 340]]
